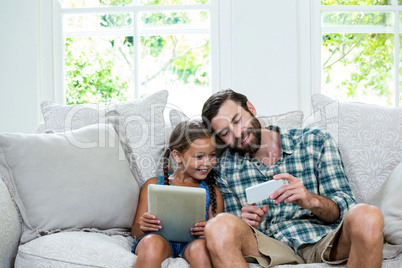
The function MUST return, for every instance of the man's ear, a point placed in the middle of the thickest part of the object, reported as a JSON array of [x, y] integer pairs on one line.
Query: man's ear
[[251, 108], [176, 156]]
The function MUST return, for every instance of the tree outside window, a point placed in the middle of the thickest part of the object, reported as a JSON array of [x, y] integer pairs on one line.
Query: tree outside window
[[117, 50], [360, 42]]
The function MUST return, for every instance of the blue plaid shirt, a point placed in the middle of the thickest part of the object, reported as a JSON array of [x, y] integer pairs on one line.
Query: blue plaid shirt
[[310, 155]]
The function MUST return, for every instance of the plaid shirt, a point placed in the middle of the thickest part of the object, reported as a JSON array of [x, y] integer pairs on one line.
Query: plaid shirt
[[310, 155]]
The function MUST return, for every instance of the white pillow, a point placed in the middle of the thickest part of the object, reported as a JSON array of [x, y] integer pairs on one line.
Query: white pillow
[[175, 117], [389, 200], [71, 180], [140, 124], [288, 120], [369, 138]]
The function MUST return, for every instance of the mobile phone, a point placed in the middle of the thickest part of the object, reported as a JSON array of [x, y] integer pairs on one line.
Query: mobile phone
[[263, 190]]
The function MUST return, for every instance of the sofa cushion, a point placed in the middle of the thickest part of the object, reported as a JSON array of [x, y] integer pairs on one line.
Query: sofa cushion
[[79, 249], [369, 138], [389, 200], [77, 179], [288, 120], [10, 226], [140, 124]]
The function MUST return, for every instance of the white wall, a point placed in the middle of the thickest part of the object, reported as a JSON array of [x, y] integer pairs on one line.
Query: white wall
[[263, 63], [18, 66], [264, 47]]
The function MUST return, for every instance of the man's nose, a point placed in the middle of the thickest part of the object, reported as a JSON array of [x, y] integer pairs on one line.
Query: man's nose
[[236, 132]]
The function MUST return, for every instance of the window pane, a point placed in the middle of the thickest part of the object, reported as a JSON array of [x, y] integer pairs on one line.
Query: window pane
[[356, 2], [99, 69], [173, 2], [178, 63], [187, 18], [97, 22], [357, 19], [93, 3], [358, 67]]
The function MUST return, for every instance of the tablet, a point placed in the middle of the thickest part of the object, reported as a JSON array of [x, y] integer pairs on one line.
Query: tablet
[[178, 208]]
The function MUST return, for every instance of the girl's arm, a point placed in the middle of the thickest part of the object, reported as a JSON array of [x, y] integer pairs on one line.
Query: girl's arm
[[143, 221]]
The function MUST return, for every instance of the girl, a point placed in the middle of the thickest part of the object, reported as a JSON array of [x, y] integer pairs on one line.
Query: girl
[[193, 149]]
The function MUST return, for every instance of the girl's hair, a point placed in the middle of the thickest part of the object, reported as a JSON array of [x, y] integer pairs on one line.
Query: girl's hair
[[183, 135]]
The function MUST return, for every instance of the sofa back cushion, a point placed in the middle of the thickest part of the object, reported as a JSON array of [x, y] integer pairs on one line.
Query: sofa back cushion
[[389, 200], [73, 180], [369, 138], [140, 123]]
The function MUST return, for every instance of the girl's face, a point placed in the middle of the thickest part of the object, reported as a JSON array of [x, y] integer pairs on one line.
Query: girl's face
[[199, 159]]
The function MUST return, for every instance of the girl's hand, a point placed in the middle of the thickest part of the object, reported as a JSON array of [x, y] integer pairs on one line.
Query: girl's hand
[[149, 223], [198, 229]]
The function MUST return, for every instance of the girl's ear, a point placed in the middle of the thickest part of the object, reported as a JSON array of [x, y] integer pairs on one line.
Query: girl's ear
[[251, 108], [176, 156]]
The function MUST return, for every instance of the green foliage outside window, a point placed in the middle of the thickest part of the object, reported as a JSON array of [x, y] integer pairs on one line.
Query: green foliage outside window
[[371, 55], [91, 76]]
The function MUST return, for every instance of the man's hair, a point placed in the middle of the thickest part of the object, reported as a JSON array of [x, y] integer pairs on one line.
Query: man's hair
[[214, 103]]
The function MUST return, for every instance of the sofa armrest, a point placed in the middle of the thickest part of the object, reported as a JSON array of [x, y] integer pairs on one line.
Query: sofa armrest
[[10, 227]]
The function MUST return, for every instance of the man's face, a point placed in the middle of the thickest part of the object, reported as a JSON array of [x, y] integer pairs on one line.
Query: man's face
[[237, 128]]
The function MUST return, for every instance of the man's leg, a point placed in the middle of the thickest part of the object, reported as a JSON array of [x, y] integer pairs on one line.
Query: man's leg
[[228, 239], [361, 237]]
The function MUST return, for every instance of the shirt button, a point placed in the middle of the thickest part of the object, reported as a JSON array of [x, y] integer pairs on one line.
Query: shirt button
[[275, 232], [272, 222]]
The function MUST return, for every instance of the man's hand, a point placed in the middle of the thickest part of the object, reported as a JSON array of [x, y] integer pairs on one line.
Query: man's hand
[[253, 215], [149, 223], [198, 229], [294, 192]]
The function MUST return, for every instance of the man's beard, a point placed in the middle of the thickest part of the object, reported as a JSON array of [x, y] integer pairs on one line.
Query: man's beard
[[255, 139]]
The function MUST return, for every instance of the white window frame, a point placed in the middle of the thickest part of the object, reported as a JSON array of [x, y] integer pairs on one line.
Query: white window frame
[[310, 41], [59, 38]]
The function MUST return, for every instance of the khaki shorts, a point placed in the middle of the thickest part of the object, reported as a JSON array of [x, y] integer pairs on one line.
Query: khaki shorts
[[276, 252]]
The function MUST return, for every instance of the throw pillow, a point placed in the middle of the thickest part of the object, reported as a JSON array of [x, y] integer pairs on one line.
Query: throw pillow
[[140, 124], [389, 200], [73, 180], [369, 139], [288, 120], [175, 117]]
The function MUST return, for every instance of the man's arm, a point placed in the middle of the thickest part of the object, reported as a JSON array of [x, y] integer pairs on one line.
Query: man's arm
[[295, 192], [335, 194]]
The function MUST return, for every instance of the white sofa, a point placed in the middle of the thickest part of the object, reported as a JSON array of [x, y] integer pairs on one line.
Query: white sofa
[[369, 137]]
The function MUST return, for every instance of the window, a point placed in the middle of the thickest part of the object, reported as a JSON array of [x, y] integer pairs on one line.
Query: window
[[117, 50], [360, 46]]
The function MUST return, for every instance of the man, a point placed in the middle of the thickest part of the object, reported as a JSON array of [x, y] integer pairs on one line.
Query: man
[[313, 218]]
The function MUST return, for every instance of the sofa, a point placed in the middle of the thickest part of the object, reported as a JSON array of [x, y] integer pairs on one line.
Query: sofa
[[69, 191]]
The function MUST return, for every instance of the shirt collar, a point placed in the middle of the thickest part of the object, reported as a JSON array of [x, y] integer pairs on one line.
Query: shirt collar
[[287, 143]]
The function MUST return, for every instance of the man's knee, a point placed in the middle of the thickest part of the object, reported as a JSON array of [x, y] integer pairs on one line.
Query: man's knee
[[224, 224], [365, 221]]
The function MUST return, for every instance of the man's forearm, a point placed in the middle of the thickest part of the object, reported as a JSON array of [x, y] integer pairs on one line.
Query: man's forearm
[[325, 208]]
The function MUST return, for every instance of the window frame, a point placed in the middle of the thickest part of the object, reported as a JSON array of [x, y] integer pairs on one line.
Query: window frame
[[310, 42], [59, 37]]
